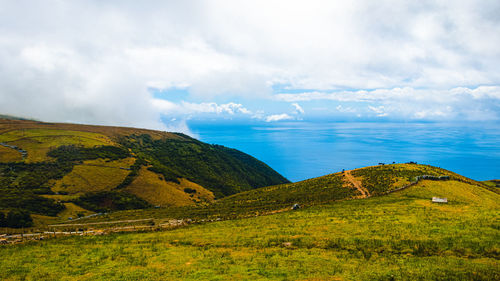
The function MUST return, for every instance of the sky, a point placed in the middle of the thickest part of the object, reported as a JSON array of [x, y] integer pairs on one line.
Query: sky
[[161, 64]]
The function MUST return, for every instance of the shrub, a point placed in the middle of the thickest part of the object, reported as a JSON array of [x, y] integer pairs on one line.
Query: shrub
[[189, 190], [18, 219]]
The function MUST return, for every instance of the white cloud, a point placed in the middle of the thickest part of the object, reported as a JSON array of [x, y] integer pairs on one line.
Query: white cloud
[[298, 108], [188, 108], [93, 61], [380, 110], [278, 117], [348, 109], [461, 103]]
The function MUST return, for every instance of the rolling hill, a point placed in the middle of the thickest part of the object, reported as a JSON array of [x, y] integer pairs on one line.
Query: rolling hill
[[374, 181], [46, 168], [371, 223], [399, 235]]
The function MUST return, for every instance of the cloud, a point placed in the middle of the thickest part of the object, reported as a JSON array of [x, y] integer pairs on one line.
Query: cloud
[[189, 108], [93, 61], [298, 108], [341, 108], [380, 110], [461, 103], [278, 117]]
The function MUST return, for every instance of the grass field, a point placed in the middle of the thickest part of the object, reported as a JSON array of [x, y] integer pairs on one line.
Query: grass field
[[154, 189], [9, 155], [7, 125], [37, 142], [94, 175], [400, 236], [321, 190]]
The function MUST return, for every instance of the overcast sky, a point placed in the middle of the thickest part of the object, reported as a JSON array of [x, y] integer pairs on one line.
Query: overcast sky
[[156, 64]]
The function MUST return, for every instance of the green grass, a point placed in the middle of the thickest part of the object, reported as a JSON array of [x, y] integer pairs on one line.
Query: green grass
[[93, 175], [37, 142], [400, 236], [493, 185], [329, 188], [381, 179]]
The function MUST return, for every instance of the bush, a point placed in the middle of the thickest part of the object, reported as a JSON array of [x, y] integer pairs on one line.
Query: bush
[[105, 201], [189, 190], [78, 153], [18, 219], [3, 222]]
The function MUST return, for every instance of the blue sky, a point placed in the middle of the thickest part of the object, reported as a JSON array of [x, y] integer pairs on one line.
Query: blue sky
[[160, 64]]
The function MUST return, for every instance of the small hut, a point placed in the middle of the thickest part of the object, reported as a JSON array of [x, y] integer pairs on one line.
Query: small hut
[[439, 200]]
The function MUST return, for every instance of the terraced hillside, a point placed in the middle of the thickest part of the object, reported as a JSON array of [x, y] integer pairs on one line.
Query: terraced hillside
[[397, 236], [45, 167]]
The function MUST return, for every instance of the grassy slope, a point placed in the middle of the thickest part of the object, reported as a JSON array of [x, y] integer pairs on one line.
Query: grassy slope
[[93, 175], [9, 154], [222, 170], [401, 236], [153, 188], [493, 185], [108, 131], [37, 142], [334, 187], [176, 157]]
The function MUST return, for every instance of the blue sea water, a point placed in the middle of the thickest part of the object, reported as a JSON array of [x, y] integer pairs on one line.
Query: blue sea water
[[304, 150]]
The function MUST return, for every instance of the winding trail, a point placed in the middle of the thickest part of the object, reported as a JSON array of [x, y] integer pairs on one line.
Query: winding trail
[[357, 184]]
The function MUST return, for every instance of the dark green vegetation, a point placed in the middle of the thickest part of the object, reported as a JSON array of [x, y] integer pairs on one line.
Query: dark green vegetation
[[16, 219], [105, 201], [22, 184], [400, 236], [65, 153], [222, 170]]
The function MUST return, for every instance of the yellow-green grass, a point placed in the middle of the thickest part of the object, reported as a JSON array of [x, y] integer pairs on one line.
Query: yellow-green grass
[[321, 190], [73, 211], [401, 236], [385, 178], [40, 222], [37, 142], [61, 197], [153, 188], [9, 155], [94, 175], [493, 185], [112, 132]]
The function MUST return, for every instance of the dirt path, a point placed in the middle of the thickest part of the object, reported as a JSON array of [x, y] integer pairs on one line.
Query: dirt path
[[357, 184], [104, 222]]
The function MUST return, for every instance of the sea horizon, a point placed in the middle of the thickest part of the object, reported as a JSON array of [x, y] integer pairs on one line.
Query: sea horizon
[[303, 150]]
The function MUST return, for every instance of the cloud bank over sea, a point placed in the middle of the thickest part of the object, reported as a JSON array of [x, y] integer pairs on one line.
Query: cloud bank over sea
[[123, 63]]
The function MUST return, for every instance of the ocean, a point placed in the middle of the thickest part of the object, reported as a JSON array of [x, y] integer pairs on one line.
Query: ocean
[[303, 150]]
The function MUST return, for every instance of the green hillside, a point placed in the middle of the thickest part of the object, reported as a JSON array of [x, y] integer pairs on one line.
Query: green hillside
[[355, 184], [399, 236], [46, 166]]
